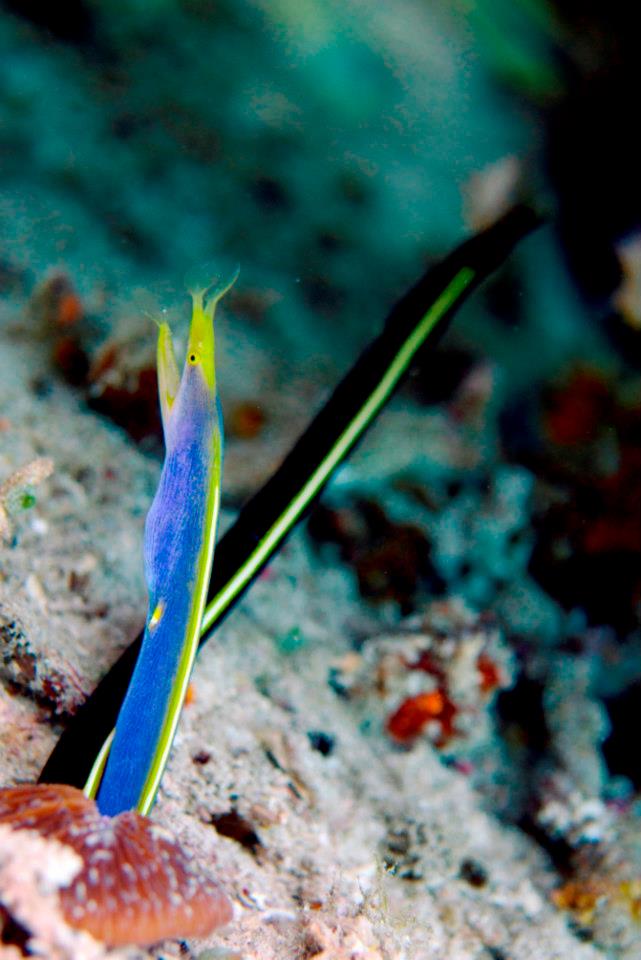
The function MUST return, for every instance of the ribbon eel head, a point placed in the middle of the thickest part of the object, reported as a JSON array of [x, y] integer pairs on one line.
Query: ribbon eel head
[[200, 348], [199, 366]]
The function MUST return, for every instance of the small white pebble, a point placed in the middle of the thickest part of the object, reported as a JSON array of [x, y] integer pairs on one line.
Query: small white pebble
[[39, 526]]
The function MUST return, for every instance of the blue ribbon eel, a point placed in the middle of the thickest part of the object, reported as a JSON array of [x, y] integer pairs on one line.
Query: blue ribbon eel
[[180, 533]]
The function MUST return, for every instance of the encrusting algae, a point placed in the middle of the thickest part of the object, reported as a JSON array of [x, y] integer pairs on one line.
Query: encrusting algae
[[16, 492]]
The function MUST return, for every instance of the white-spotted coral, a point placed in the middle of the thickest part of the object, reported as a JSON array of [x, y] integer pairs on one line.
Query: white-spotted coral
[[137, 884]]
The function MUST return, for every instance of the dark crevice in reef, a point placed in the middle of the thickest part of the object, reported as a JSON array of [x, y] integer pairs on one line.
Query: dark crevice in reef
[[625, 716], [521, 708], [233, 825], [72, 22], [559, 852], [588, 140], [524, 730], [392, 561], [13, 934]]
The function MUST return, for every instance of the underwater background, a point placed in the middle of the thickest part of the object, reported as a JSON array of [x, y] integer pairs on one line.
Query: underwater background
[[443, 668]]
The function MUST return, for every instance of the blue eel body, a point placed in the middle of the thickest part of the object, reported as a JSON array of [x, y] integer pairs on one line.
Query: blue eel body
[[178, 547]]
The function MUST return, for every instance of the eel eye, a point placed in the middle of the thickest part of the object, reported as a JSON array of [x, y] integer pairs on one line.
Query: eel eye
[[192, 358]]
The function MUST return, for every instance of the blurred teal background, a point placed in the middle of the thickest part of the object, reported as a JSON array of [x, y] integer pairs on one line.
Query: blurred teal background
[[329, 148]]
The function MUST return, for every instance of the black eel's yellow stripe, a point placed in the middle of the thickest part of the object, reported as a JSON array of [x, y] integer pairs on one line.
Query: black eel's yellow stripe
[[421, 316]]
